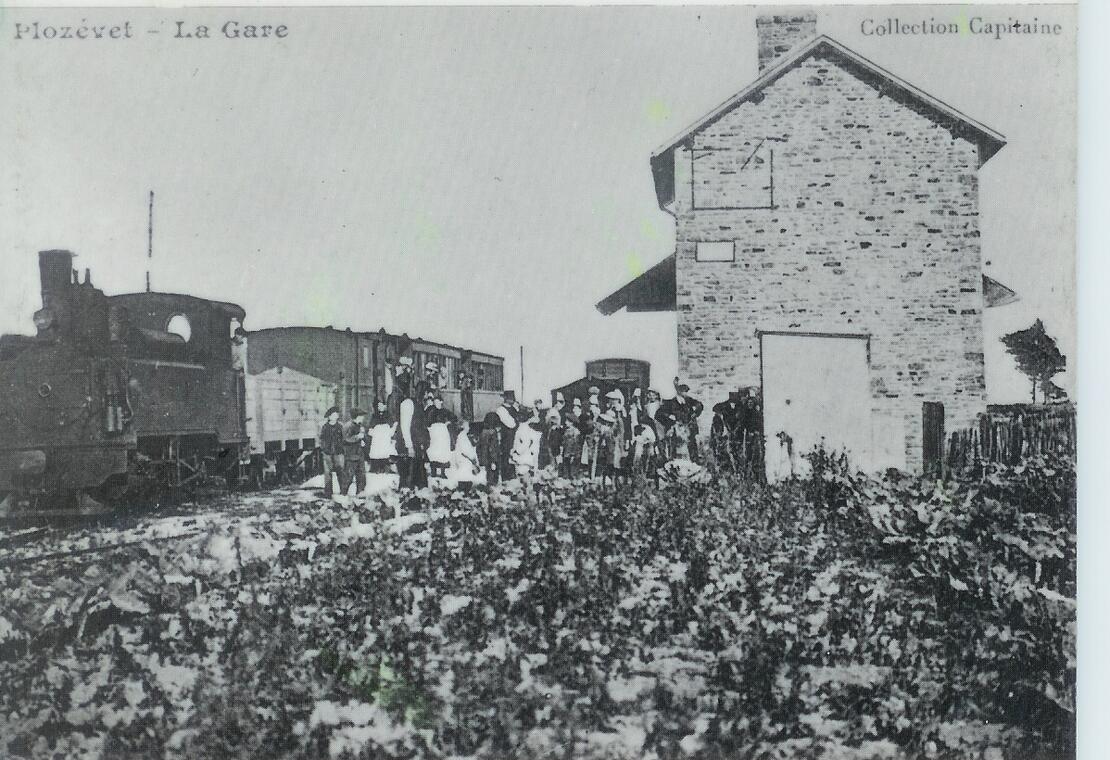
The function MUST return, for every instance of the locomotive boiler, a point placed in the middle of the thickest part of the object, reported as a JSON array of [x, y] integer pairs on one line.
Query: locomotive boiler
[[136, 391]]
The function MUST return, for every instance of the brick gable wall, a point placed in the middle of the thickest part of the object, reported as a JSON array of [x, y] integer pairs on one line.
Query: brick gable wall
[[875, 231]]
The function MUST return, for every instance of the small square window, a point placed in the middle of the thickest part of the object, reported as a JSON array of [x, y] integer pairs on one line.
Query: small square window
[[723, 251]]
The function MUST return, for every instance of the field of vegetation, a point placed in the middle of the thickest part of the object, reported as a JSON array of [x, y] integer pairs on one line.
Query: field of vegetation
[[832, 617]]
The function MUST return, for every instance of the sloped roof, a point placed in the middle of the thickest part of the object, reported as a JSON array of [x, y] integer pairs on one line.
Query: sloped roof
[[655, 290], [988, 140]]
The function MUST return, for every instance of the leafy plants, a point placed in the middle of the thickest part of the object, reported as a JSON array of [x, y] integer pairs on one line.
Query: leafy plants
[[836, 616]]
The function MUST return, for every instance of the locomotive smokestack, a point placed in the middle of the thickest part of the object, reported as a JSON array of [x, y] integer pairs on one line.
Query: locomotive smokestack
[[55, 270]]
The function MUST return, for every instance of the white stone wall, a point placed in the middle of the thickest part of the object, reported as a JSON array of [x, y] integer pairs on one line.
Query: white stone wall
[[875, 231]]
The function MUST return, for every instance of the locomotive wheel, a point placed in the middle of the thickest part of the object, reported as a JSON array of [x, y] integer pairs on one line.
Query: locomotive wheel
[[113, 493]]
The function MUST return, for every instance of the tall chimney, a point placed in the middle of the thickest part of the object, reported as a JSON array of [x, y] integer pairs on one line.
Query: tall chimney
[[55, 270], [779, 35]]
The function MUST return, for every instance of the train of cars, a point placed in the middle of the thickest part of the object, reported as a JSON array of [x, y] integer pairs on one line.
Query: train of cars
[[155, 393]]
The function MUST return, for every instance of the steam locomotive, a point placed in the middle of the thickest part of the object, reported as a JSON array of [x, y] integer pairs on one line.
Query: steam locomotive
[[137, 391]]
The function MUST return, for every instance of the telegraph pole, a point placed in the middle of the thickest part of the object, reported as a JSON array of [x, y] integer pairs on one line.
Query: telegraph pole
[[522, 374], [149, 238]]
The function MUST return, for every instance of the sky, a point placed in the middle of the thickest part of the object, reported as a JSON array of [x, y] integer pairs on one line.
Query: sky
[[476, 176]]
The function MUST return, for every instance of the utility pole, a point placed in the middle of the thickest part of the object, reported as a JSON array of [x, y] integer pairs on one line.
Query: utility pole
[[522, 374], [149, 238]]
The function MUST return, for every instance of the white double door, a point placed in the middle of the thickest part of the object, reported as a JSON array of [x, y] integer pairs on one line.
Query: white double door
[[816, 391]]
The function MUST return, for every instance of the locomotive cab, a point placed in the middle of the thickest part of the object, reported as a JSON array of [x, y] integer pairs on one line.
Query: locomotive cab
[[188, 386]]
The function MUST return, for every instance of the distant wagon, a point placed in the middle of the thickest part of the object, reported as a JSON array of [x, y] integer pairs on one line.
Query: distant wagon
[[624, 375]]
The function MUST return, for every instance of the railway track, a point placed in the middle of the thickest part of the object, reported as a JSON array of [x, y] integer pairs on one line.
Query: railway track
[[16, 546], [92, 550]]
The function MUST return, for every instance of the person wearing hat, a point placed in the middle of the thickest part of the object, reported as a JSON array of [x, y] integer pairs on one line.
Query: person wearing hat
[[587, 424], [331, 451], [431, 375], [594, 395], [636, 407], [381, 428], [724, 431], [507, 425], [749, 443], [604, 453], [538, 414], [570, 448], [354, 451], [622, 434], [552, 451], [398, 383], [679, 416], [465, 382], [412, 436], [489, 447], [527, 443], [650, 418]]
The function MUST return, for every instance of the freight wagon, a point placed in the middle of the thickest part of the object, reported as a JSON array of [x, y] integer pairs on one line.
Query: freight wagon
[[294, 374], [285, 409], [356, 363]]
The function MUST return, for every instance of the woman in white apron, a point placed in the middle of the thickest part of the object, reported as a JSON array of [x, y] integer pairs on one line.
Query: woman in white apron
[[382, 447], [464, 460], [439, 438]]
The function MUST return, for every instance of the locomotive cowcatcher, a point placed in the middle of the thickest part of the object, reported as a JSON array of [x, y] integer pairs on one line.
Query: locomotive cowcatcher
[[140, 392]]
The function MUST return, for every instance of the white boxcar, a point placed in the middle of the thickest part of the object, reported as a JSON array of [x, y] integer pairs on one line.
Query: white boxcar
[[285, 410]]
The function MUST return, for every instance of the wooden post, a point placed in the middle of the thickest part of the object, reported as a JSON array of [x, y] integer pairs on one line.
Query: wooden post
[[149, 238]]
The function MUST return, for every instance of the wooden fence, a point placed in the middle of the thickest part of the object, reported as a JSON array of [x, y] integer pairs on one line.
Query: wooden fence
[[1011, 434]]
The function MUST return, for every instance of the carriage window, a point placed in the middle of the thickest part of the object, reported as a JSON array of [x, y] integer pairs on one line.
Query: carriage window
[[450, 363], [179, 325]]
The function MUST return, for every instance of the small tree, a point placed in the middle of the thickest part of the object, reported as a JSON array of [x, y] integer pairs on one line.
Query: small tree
[[1037, 356]]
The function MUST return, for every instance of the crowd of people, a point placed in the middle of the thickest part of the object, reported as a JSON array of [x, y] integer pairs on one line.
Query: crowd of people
[[603, 436]]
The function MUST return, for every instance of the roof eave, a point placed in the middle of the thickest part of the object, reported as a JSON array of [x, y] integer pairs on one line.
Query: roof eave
[[988, 140]]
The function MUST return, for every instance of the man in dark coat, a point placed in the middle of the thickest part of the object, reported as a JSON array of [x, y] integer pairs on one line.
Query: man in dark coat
[[399, 382], [749, 440], [489, 448], [466, 396], [331, 451], [412, 439], [682, 410], [507, 421], [354, 450], [725, 432]]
